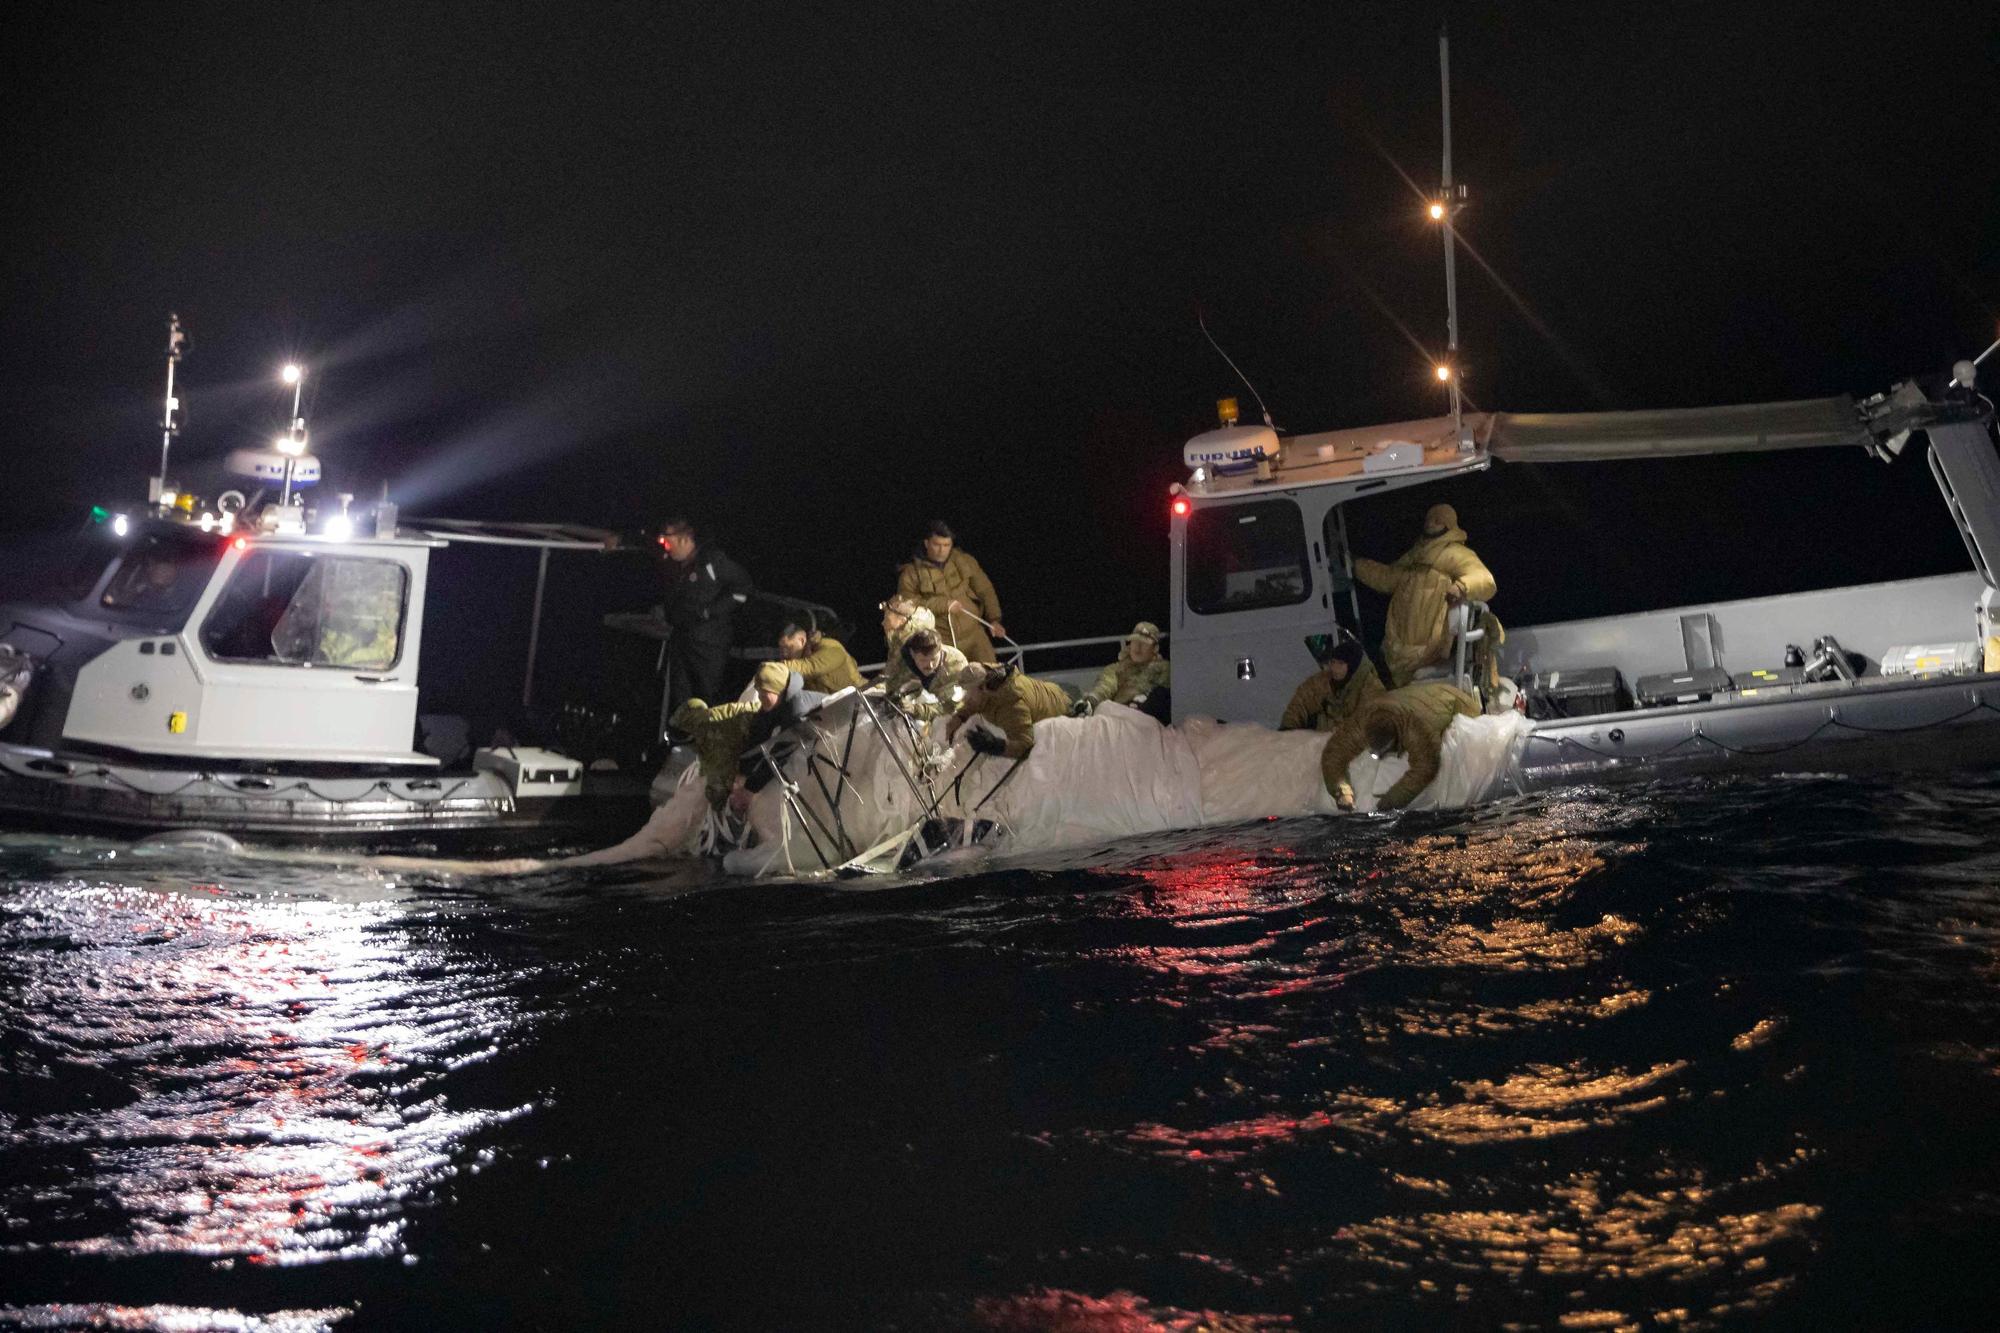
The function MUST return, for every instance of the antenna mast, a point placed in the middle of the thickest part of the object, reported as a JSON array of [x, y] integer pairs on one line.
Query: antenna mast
[[1448, 204], [169, 427]]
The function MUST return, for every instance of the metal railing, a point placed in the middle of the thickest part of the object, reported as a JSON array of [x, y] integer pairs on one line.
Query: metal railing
[[1020, 651]]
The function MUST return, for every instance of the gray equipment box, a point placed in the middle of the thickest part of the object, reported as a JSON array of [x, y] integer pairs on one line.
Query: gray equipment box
[[1682, 687], [1579, 692]]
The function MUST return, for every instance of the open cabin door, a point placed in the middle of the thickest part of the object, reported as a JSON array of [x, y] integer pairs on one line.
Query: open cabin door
[[1343, 589]]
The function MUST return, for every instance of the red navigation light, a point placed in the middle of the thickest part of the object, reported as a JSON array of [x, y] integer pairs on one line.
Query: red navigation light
[[1181, 506], [241, 543]]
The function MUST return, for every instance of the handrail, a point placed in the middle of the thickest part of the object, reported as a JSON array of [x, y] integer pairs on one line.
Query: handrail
[[547, 536], [1026, 648]]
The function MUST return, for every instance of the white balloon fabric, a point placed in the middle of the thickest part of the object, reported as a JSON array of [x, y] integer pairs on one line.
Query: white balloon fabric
[[1114, 774]]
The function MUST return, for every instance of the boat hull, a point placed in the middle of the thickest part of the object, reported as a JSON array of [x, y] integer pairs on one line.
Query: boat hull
[[1876, 726], [42, 790]]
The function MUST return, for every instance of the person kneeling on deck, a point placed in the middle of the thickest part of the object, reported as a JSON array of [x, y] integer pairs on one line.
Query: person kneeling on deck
[[923, 680], [1426, 581], [1412, 720], [1140, 677], [825, 663], [1346, 680], [1010, 703]]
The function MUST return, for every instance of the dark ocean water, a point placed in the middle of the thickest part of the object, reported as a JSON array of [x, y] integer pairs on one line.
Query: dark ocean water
[[1709, 1055]]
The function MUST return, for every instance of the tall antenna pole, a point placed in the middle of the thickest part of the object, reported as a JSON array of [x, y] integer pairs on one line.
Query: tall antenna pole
[[168, 426], [1450, 246]]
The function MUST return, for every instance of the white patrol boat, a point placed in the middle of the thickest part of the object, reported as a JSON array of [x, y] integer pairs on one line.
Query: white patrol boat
[[1894, 674], [251, 664]]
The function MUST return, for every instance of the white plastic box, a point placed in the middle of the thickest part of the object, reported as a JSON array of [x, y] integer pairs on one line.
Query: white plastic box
[[532, 772]]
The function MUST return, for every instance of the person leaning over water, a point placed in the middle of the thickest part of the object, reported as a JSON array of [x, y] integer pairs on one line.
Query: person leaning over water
[[923, 680], [1329, 696], [720, 733], [950, 583], [825, 663], [1009, 701], [1430, 578], [1411, 721], [1141, 677], [783, 706]]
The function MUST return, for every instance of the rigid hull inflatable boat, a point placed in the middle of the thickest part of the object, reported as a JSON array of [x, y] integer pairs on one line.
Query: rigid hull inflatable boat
[[1900, 674], [262, 680], [250, 663]]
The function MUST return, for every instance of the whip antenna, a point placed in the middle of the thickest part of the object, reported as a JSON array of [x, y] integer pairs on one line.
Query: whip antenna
[[169, 423], [1442, 210], [1238, 369]]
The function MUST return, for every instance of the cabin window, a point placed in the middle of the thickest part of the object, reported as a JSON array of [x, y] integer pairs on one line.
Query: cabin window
[[1244, 556], [293, 608], [159, 574]]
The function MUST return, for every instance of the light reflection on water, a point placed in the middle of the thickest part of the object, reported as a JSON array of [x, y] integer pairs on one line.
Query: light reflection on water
[[249, 1080], [1633, 1060]]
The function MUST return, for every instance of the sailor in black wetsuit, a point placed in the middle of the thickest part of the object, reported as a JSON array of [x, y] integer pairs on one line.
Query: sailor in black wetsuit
[[703, 589]]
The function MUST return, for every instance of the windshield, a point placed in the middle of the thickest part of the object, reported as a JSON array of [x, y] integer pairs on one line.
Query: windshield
[[160, 574], [1244, 556]]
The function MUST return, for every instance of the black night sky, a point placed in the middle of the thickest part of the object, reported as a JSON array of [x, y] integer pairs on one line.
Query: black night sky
[[813, 275]]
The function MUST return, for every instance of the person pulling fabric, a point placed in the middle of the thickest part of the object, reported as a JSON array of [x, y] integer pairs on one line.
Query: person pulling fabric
[[1141, 677], [1434, 575], [1329, 696], [825, 663], [923, 681], [783, 705], [720, 733], [1010, 702], [901, 618], [1412, 721]]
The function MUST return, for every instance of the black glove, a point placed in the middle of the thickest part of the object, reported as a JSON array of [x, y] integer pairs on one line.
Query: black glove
[[983, 741]]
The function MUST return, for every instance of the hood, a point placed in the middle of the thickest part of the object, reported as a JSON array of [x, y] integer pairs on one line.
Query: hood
[[1426, 547]]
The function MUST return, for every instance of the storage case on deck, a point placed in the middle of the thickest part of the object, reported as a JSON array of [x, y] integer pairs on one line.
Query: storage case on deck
[[1682, 687], [1767, 681], [1582, 692], [1931, 659]]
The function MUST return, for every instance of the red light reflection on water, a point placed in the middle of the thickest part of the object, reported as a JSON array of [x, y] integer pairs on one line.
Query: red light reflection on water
[[1047, 1310]]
